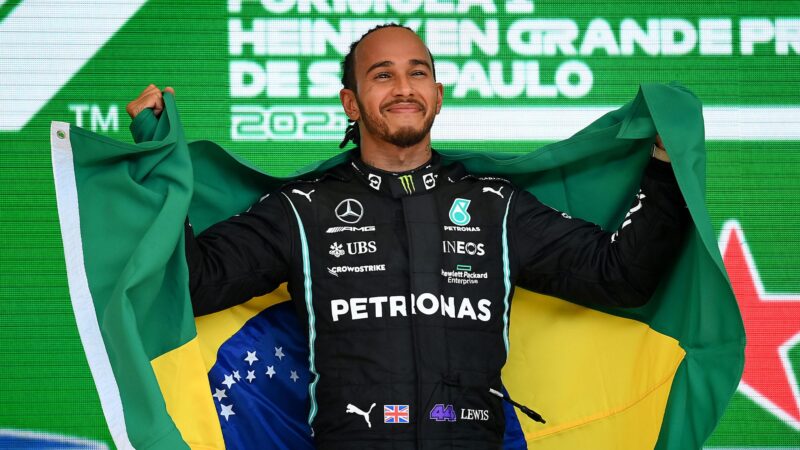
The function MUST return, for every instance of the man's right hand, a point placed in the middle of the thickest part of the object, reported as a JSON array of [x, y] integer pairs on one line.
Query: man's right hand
[[150, 97]]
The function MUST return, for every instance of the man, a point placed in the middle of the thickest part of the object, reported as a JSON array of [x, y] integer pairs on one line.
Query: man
[[403, 269]]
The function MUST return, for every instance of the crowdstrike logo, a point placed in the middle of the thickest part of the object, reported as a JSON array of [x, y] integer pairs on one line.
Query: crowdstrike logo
[[336, 270], [360, 308]]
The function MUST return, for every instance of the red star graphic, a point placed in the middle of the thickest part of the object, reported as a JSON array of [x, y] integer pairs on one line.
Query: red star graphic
[[772, 326]]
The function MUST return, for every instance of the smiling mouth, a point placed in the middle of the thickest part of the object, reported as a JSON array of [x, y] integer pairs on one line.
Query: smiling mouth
[[405, 107]]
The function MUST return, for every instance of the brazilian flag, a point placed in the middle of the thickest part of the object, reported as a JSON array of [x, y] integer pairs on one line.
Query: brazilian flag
[[658, 376]]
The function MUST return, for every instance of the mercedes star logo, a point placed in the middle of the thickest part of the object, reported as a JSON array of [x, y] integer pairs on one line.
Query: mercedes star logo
[[349, 211]]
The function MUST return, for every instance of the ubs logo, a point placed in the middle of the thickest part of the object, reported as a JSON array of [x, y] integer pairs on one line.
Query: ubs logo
[[349, 211], [353, 248]]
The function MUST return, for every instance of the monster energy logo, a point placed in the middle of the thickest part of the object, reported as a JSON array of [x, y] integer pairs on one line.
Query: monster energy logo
[[407, 181]]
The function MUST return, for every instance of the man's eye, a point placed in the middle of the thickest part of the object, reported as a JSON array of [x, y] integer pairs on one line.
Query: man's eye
[[419, 73], [382, 75]]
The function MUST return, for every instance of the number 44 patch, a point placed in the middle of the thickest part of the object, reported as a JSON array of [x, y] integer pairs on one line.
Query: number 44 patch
[[443, 413]]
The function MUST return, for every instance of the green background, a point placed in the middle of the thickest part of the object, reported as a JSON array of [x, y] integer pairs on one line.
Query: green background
[[45, 384]]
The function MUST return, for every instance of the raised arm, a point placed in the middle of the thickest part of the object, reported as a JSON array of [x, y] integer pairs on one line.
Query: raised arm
[[240, 258], [237, 259], [577, 260]]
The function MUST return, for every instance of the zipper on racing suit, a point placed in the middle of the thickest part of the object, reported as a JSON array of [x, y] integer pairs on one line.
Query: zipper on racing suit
[[424, 235]]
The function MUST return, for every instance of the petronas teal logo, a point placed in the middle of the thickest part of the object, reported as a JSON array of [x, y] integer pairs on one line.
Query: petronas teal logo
[[458, 212], [407, 181]]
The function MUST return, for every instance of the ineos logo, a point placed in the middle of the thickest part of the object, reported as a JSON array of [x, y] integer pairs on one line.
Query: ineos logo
[[463, 248], [349, 211]]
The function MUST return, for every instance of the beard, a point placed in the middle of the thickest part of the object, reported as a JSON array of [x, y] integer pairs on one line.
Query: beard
[[403, 137]]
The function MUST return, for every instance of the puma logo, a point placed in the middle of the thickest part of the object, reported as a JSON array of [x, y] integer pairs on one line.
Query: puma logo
[[306, 195], [352, 409], [488, 189]]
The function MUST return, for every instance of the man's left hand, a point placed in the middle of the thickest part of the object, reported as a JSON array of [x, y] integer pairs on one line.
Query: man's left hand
[[659, 152]]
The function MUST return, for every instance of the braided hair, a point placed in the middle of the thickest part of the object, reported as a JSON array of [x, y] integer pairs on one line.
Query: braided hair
[[352, 132]]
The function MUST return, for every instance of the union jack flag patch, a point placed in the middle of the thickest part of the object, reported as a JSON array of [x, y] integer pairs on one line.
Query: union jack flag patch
[[395, 413]]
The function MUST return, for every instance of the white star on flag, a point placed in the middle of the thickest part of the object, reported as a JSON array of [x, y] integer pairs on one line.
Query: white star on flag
[[279, 353], [227, 411], [251, 358], [294, 376], [251, 375], [229, 381], [219, 394], [270, 371], [236, 375]]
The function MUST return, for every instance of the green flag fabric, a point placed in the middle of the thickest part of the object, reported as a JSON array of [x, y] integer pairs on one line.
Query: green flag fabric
[[122, 208]]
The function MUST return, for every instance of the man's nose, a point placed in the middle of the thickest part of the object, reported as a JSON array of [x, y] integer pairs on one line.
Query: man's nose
[[402, 86]]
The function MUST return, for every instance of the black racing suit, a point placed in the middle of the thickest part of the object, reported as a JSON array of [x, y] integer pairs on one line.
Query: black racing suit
[[404, 282]]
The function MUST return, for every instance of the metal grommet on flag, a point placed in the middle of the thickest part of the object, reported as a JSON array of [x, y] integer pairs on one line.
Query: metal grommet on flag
[[61, 134]]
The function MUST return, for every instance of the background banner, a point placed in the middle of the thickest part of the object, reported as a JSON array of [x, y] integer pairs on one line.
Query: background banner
[[261, 78]]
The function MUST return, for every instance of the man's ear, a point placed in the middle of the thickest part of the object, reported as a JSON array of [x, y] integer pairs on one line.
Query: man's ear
[[349, 103], [439, 97]]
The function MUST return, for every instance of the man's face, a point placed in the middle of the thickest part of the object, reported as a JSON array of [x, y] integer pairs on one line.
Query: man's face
[[397, 97]]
